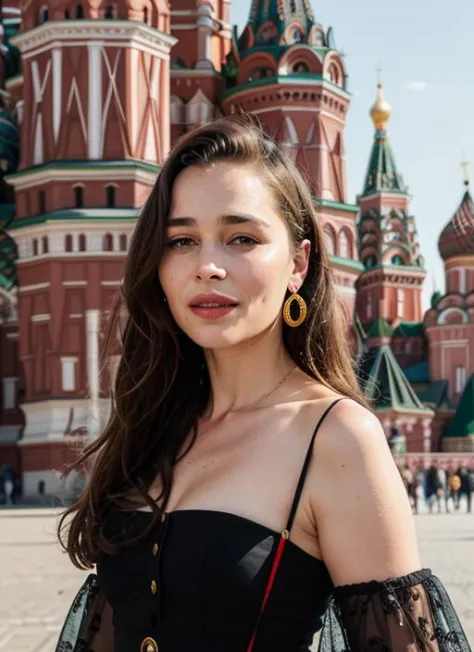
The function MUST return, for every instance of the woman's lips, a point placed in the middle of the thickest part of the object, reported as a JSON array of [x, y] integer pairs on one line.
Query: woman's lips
[[212, 310]]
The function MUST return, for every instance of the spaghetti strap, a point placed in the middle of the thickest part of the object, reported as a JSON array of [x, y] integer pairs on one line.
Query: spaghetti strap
[[304, 470]]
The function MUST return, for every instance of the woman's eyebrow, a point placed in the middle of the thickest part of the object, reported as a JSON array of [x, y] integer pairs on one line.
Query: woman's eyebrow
[[225, 219]]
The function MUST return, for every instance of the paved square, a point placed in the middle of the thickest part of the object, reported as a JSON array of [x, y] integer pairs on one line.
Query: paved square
[[37, 581]]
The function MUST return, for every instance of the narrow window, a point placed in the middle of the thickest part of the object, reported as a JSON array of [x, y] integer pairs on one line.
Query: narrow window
[[460, 379], [45, 244], [145, 15], [109, 12], [123, 242], [108, 242], [35, 247], [400, 303], [82, 242], [110, 196], [68, 242], [42, 201], [68, 374], [79, 11], [67, 14], [79, 196], [44, 15]]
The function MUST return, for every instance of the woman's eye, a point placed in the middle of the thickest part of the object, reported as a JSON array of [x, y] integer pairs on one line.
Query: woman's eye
[[244, 240], [179, 243]]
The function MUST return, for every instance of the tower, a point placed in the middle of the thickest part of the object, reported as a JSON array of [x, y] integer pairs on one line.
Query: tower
[[204, 34], [287, 71], [94, 129], [391, 284], [449, 324]]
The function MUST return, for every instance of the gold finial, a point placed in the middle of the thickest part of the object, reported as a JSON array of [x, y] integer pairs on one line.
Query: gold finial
[[381, 110], [465, 165]]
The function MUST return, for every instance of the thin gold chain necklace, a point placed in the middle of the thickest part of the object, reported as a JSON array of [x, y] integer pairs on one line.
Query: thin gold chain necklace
[[274, 389]]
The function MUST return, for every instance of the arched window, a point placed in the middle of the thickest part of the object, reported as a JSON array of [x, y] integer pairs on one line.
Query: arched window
[[123, 242], [145, 15], [329, 239], [108, 242], [397, 260], [68, 242], [67, 14], [343, 245], [109, 12], [300, 67], [370, 261], [45, 244], [261, 73], [297, 35], [78, 196], [35, 247], [82, 242], [110, 190], [79, 11], [43, 15]]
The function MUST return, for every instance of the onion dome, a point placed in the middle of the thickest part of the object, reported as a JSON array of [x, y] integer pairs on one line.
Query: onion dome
[[457, 237], [380, 111]]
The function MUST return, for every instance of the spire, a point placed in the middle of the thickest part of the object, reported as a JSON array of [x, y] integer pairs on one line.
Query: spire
[[269, 21], [382, 174], [385, 383]]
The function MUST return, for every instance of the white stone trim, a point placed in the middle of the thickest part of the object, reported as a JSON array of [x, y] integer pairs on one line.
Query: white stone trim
[[111, 32], [34, 287], [40, 318], [74, 284], [68, 373], [41, 176]]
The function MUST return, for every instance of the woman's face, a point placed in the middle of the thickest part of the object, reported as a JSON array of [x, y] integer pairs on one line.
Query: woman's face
[[228, 259]]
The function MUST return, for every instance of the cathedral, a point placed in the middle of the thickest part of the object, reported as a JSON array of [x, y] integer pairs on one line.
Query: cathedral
[[92, 96]]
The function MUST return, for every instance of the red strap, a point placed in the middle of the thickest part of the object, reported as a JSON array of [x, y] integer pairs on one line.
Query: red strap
[[271, 579]]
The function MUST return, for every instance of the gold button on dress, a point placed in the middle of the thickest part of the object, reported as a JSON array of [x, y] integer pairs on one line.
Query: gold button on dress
[[149, 645], [153, 586], [155, 549]]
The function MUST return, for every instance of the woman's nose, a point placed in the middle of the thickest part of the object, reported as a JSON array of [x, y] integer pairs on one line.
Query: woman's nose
[[210, 270]]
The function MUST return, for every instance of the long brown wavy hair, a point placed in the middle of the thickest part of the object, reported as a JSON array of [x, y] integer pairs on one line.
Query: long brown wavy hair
[[162, 385]]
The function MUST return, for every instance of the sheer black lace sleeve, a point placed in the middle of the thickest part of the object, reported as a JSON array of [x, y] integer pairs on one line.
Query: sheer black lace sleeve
[[88, 626], [406, 614]]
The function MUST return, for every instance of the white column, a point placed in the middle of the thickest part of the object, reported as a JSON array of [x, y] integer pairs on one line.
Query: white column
[[57, 90], [205, 28], [92, 353], [94, 116]]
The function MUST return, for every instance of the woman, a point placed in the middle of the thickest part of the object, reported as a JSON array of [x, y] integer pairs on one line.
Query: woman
[[218, 520]]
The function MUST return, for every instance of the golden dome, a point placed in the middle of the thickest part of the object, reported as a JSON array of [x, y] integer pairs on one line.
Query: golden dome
[[380, 111]]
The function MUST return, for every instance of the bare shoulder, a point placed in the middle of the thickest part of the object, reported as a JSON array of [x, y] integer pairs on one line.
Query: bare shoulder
[[364, 521]]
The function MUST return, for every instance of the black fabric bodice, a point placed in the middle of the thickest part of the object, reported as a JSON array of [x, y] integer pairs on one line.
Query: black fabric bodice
[[197, 581]]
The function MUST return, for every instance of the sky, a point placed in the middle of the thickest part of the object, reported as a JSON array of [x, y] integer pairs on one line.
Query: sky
[[426, 51]]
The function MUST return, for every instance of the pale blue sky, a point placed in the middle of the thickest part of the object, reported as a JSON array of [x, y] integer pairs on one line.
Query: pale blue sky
[[426, 50]]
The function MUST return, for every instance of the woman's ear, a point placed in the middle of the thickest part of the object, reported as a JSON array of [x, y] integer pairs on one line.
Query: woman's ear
[[300, 266]]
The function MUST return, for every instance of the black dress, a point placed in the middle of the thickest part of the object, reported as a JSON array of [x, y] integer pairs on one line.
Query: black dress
[[210, 581]]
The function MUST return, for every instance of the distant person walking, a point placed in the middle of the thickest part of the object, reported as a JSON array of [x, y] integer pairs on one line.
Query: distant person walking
[[434, 486]]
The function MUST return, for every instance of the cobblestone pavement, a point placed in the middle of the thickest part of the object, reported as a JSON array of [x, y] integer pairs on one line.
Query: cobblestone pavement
[[37, 582]]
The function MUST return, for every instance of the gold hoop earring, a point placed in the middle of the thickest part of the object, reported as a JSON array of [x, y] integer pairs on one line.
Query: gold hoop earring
[[303, 310]]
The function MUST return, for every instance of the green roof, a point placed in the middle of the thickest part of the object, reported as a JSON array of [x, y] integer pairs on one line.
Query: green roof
[[347, 262], [379, 328], [419, 372], [462, 424], [329, 203], [385, 384], [87, 164], [409, 329], [85, 214], [382, 174], [435, 394]]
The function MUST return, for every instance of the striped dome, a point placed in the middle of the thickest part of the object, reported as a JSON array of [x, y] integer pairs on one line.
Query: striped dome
[[457, 237]]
